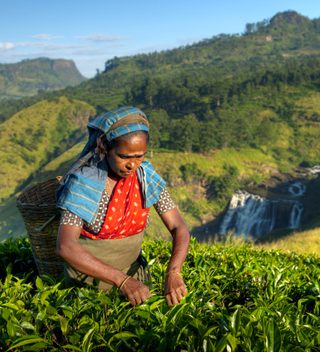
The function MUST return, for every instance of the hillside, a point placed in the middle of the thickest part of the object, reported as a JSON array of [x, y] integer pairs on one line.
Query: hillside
[[213, 65], [221, 97], [32, 137], [28, 77], [229, 91], [303, 242], [214, 68]]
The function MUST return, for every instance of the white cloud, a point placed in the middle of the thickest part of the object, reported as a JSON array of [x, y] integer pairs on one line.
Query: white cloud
[[42, 45], [44, 36], [100, 38], [7, 46], [30, 44], [58, 47]]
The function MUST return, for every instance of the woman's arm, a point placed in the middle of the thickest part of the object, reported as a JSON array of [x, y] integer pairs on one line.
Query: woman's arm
[[69, 248], [175, 288]]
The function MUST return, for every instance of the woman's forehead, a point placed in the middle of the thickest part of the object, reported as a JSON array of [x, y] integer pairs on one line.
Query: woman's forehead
[[132, 142], [132, 138]]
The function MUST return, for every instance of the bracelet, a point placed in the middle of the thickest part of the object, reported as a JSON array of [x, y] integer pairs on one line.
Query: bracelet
[[124, 281]]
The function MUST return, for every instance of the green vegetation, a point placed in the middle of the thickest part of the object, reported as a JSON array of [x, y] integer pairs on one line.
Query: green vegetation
[[240, 299], [36, 135], [233, 91], [28, 77], [228, 112], [246, 103]]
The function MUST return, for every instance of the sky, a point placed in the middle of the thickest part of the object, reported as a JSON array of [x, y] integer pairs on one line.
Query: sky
[[90, 32]]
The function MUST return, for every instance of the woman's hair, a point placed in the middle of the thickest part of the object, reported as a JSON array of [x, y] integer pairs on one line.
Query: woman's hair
[[108, 145]]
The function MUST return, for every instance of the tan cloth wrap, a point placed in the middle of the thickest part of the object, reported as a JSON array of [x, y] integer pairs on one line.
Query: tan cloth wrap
[[119, 253]]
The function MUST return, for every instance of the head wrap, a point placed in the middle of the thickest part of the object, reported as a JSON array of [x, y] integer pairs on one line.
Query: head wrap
[[114, 124], [82, 186]]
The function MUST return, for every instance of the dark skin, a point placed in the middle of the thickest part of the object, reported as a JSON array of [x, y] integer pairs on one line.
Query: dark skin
[[123, 159]]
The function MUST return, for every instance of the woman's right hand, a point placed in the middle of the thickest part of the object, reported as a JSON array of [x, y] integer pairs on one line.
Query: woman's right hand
[[135, 291]]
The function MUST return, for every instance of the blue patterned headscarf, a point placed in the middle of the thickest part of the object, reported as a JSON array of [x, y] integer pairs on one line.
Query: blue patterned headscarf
[[81, 188], [114, 124]]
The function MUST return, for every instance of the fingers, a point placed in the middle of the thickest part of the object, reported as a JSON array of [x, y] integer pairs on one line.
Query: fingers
[[175, 289], [176, 296], [135, 291], [172, 299]]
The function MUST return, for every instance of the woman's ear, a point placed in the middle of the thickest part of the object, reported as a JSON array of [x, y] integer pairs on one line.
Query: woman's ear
[[100, 149]]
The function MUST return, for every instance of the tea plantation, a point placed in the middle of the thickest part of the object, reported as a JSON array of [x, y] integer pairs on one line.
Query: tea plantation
[[240, 299]]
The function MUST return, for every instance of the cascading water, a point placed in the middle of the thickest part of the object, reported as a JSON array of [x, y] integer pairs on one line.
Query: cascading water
[[253, 215], [297, 188], [295, 216]]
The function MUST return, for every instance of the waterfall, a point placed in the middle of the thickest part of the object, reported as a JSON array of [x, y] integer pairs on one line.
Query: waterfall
[[295, 216], [297, 189], [250, 214]]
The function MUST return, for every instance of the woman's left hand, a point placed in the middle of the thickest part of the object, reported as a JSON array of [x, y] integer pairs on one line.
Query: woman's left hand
[[175, 288]]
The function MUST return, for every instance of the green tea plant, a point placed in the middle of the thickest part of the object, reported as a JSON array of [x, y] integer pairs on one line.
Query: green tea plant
[[240, 299]]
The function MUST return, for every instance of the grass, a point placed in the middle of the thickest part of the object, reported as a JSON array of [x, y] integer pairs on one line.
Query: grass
[[304, 242], [248, 161]]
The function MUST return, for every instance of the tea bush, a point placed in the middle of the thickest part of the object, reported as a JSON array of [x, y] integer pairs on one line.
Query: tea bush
[[240, 299]]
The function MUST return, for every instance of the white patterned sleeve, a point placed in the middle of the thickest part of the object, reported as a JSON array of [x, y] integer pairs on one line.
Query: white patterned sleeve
[[68, 218], [165, 202]]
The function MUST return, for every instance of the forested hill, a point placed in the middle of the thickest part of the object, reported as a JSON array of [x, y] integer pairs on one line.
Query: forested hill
[[286, 46], [28, 77], [232, 110], [257, 89], [279, 44]]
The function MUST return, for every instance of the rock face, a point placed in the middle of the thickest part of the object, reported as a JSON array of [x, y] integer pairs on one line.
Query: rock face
[[28, 77], [250, 214]]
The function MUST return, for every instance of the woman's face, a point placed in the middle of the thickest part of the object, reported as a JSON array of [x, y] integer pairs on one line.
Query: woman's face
[[127, 155]]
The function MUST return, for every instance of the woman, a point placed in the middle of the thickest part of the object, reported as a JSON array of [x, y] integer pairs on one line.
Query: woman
[[105, 198]]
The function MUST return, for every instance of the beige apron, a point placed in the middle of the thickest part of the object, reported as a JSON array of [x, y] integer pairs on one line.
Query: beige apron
[[123, 254]]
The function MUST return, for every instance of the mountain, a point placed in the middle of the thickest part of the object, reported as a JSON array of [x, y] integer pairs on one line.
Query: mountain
[[229, 95], [28, 77], [212, 68]]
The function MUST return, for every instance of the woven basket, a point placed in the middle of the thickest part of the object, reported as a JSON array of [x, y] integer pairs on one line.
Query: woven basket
[[37, 205]]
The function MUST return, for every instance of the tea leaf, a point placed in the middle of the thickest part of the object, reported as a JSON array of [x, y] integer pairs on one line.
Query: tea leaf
[[26, 340], [273, 337], [86, 343]]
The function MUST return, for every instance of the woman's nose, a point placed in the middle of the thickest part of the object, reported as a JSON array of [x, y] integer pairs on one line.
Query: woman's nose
[[130, 165]]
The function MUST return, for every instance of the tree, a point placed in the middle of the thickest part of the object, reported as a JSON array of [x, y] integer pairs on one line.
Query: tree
[[250, 28], [184, 134], [149, 91]]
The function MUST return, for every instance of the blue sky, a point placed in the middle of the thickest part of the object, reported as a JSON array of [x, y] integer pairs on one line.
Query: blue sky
[[92, 31]]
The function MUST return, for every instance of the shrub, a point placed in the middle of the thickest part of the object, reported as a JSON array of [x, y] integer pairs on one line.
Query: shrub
[[222, 187], [240, 299]]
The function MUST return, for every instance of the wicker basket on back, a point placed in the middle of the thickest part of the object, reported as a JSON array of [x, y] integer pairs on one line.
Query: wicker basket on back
[[37, 205]]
